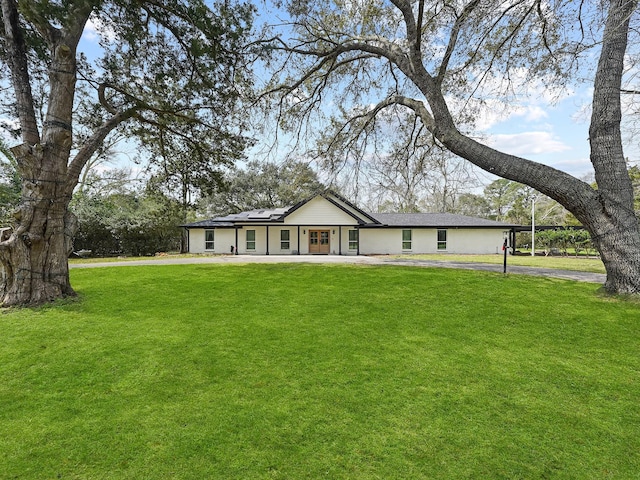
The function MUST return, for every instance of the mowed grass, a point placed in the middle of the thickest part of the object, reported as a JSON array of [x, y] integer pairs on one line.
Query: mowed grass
[[320, 371], [578, 264]]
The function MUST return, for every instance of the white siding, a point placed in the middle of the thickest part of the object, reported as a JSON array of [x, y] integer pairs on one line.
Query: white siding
[[275, 242], [319, 211], [424, 240], [352, 210], [477, 240], [223, 239], [381, 241], [345, 241], [261, 240]]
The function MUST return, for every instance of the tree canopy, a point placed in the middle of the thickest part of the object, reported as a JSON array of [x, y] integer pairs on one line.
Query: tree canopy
[[444, 60], [168, 67], [262, 185]]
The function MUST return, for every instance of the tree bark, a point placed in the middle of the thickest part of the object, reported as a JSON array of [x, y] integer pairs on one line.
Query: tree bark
[[35, 256], [608, 212], [613, 223]]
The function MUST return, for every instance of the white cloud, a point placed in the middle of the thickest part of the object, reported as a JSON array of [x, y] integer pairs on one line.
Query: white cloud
[[6, 126], [90, 31], [530, 100], [95, 28], [532, 113], [527, 143]]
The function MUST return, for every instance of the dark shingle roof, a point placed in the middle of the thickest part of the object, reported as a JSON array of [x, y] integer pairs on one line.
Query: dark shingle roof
[[258, 215], [210, 223], [408, 220], [435, 220]]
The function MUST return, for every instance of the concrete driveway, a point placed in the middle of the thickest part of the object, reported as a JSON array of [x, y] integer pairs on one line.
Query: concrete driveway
[[358, 260]]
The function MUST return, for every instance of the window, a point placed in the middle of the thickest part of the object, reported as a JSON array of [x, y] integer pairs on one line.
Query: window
[[208, 240], [284, 240], [353, 239], [406, 239], [442, 239], [251, 239]]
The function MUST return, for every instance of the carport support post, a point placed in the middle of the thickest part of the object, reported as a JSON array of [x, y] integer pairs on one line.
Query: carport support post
[[504, 251], [512, 240], [533, 227], [236, 251]]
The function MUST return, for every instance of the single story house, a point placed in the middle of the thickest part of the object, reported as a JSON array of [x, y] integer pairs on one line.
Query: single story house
[[329, 224]]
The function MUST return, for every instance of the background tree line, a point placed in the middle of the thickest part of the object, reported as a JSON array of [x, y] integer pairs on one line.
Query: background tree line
[[120, 219], [382, 91], [118, 215]]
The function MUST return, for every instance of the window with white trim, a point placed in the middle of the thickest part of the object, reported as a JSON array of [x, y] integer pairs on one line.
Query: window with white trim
[[442, 239], [251, 239], [406, 239], [285, 240], [353, 239], [208, 240]]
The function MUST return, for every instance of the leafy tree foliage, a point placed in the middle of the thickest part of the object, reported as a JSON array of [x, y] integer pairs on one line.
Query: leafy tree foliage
[[170, 66], [188, 165], [126, 223], [262, 185], [443, 60], [394, 165], [9, 185], [564, 240]]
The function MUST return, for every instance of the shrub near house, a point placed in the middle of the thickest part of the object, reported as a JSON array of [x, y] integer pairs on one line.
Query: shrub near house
[[564, 240], [126, 224]]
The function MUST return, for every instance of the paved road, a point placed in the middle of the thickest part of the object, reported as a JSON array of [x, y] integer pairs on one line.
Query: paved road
[[361, 260]]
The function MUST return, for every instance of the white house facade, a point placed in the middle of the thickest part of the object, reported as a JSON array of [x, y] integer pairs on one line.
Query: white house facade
[[328, 224]]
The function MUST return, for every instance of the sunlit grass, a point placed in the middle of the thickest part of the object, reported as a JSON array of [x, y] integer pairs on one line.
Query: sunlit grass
[[320, 371], [578, 264], [124, 258]]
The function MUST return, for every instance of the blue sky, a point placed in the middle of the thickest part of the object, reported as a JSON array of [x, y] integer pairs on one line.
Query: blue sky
[[553, 133]]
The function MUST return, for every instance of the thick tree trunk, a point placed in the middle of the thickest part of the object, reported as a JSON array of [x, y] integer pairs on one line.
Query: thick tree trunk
[[620, 252], [35, 256], [36, 262], [608, 212], [614, 226]]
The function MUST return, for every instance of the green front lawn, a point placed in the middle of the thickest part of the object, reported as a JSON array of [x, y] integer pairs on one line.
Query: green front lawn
[[578, 264], [263, 371]]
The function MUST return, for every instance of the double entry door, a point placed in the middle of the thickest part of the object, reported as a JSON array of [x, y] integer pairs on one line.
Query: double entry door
[[319, 241]]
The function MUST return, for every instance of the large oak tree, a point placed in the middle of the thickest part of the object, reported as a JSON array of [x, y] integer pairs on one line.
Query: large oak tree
[[152, 52], [437, 58]]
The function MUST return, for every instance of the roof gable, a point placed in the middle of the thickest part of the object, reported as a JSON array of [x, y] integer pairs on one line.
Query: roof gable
[[329, 208], [326, 209]]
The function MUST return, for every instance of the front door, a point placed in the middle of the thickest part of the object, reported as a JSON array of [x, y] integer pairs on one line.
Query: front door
[[319, 241]]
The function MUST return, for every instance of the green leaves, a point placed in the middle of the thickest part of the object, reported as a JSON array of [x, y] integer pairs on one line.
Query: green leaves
[[263, 185]]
